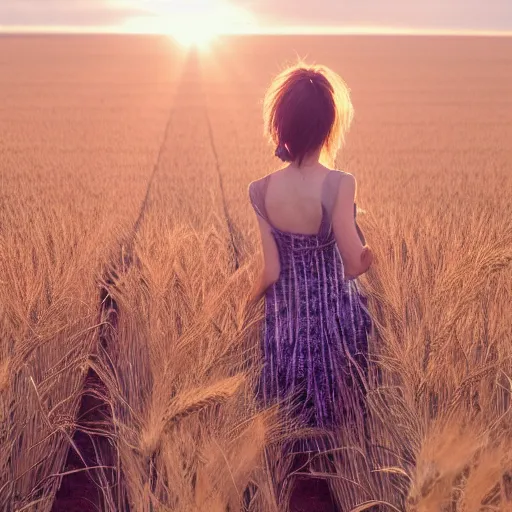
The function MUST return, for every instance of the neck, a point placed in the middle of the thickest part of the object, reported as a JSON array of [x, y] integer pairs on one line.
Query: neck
[[309, 161]]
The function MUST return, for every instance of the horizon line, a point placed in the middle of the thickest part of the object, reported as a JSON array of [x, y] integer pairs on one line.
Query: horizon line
[[292, 31]]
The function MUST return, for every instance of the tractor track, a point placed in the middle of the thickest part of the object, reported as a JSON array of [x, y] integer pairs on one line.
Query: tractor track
[[229, 221], [158, 162], [80, 490]]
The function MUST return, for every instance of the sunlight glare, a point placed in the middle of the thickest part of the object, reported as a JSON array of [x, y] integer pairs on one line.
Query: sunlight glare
[[198, 22], [196, 37]]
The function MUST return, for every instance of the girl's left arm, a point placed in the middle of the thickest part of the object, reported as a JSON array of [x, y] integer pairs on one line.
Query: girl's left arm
[[271, 263]]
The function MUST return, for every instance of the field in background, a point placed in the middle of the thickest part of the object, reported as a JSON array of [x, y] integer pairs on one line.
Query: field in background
[[124, 165]]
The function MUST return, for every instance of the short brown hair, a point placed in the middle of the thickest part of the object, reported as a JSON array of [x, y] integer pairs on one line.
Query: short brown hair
[[307, 107]]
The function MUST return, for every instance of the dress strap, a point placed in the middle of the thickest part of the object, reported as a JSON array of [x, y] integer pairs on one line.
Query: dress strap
[[257, 194]]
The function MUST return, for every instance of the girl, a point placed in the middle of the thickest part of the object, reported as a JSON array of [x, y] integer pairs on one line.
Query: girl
[[316, 322]]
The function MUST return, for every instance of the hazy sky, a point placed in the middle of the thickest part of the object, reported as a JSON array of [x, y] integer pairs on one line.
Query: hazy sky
[[479, 15]]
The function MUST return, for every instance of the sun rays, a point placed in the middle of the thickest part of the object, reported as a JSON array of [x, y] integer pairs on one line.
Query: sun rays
[[193, 22]]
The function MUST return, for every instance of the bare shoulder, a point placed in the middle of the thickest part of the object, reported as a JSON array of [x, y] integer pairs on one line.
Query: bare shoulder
[[256, 184], [346, 180], [253, 185], [346, 188], [344, 174]]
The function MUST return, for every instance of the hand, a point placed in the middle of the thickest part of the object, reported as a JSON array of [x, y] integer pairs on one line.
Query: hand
[[365, 263], [366, 259]]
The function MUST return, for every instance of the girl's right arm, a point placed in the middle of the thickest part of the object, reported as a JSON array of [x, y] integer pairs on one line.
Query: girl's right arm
[[357, 258], [271, 262]]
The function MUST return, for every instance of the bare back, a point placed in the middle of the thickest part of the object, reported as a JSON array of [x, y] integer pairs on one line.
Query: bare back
[[311, 205], [294, 201]]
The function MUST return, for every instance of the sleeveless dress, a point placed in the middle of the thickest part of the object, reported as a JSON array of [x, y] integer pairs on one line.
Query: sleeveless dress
[[316, 329]]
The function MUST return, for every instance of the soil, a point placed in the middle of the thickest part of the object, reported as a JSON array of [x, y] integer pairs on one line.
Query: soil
[[79, 491], [311, 495]]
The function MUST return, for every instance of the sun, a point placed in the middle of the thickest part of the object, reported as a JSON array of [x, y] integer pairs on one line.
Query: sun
[[196, 22], [194, 34]]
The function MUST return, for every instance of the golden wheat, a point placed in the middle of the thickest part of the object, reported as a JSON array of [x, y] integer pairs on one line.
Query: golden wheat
[[178, 351]]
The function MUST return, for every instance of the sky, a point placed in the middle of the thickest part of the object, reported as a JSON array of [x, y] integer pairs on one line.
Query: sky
[[485, 16]]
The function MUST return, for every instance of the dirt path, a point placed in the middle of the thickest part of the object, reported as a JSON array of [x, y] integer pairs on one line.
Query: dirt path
[[80, 488], [311, 495], [79, 492]]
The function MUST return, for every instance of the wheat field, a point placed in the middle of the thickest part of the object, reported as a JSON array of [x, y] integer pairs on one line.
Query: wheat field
[[128, 349]]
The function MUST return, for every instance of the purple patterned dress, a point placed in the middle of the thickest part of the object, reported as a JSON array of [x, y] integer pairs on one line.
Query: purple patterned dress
[[316, 323]]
